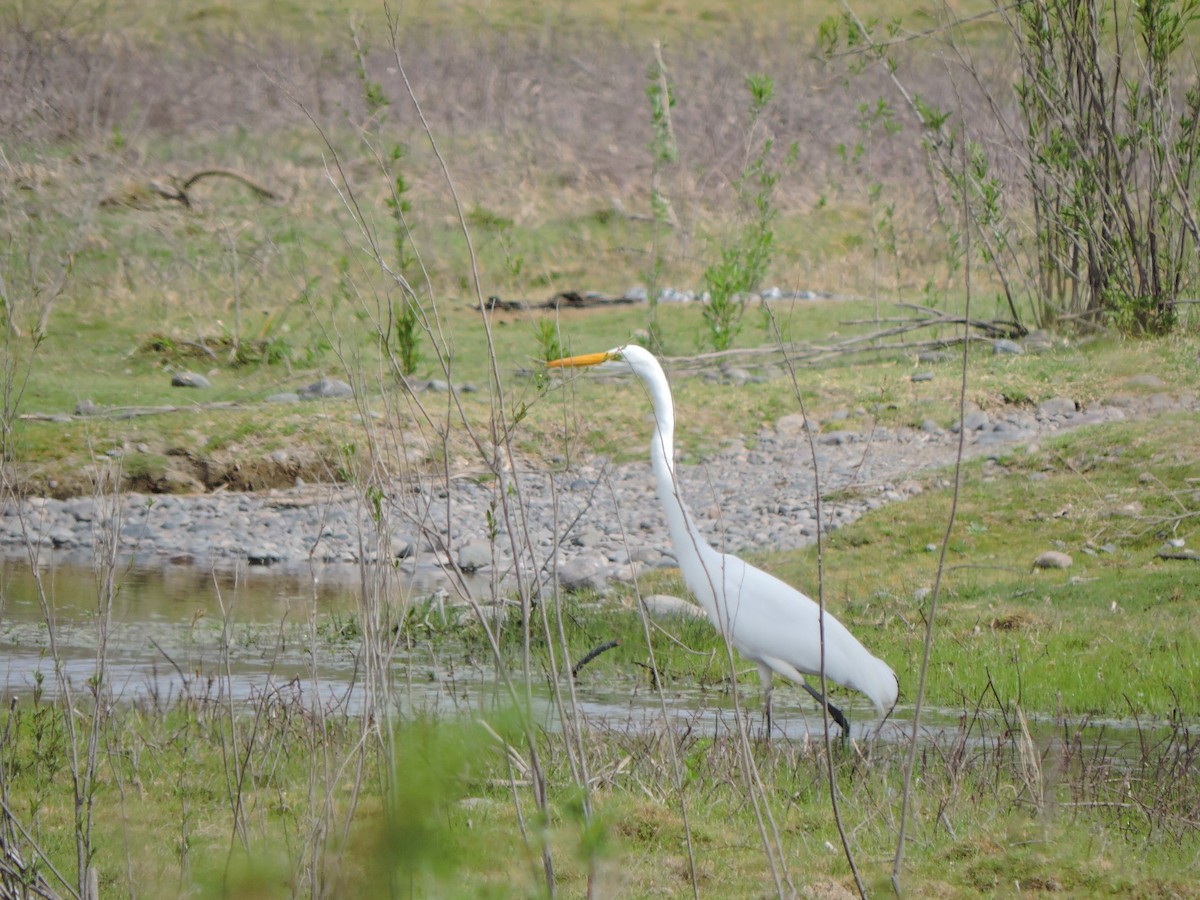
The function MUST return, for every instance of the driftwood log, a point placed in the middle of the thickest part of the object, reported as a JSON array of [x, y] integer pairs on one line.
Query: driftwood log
[[561, 300]]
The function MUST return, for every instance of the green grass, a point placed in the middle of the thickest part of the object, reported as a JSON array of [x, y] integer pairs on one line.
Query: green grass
[[1111, 636], [454, 831]]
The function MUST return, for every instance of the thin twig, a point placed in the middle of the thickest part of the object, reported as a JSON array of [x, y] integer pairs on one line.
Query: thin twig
[[910, 762], [825, 707]]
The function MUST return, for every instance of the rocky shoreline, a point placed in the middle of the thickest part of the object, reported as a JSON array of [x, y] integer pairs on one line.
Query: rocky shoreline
[[604, 518]]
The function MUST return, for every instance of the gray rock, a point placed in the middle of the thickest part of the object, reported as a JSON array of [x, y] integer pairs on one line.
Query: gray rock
[[189, 380], [326, 389], [474, 555], [643, 553], [1057, 406], [63, 537], [837, 437], [263, 555], [664, 605], [921, 376], [974, 421], [583, 573], [1053, 559], [735, 376], [1000, 434], [589, 537], [1005, 346]]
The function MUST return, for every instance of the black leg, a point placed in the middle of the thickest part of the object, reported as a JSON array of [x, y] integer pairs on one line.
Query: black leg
[[834, 713], [767, 705]]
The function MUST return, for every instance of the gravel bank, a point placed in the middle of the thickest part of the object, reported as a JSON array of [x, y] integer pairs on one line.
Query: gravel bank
[[604, 518]]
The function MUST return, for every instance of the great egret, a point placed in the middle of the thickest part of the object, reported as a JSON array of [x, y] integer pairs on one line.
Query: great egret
[[765, 619]]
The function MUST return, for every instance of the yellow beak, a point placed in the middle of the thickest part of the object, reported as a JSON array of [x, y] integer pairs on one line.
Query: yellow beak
[[571, 362]]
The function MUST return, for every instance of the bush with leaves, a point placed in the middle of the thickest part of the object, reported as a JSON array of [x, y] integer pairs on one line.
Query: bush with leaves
[[1103, 117], [744, 261]]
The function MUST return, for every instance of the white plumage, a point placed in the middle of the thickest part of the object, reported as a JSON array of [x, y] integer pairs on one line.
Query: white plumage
[[764, 618]]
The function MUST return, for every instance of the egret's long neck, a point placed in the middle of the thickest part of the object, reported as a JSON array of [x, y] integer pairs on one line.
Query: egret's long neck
[[685, 537]]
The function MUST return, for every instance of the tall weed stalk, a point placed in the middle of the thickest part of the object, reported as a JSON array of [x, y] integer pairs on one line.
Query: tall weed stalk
[[396, 487], [664, 153]]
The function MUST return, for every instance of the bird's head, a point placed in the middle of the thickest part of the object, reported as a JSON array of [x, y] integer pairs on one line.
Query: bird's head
[[630, 358]]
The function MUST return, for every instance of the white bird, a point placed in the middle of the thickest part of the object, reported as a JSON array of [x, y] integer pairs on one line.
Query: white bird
[[765, 619]]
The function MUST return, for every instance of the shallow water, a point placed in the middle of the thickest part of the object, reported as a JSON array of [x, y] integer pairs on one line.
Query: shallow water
[[249, 636]]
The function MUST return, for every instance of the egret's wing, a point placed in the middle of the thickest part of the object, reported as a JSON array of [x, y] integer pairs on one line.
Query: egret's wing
[[767, 618]]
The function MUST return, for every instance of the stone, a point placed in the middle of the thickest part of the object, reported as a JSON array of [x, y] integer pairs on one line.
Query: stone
[[326, 389], [664, 605], [973, 421], [735, 375], [1052, 559], [1005, 346], [263, 555], [837, 437], [189, 380], [1057, 406], [474, 555], [583, 573], [589, 537]]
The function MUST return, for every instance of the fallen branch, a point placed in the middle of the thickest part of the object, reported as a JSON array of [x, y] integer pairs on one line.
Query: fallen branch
[[129, 412], [175, 188], [811, 355]]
